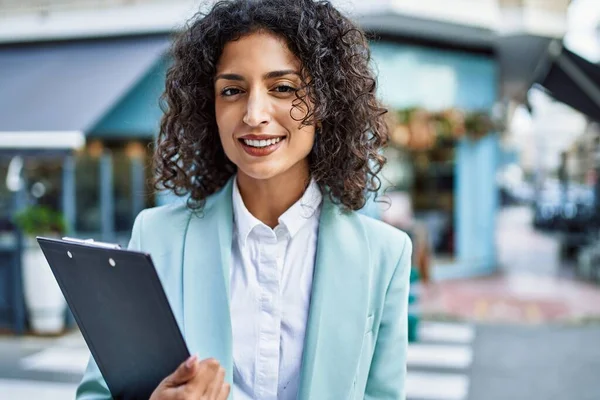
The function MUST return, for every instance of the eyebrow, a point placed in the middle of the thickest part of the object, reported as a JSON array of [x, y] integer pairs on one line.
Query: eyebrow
[[268, 75]]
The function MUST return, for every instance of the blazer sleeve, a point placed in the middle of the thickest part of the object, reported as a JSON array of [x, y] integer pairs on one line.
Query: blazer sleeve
[[92, 385], [388, 367]]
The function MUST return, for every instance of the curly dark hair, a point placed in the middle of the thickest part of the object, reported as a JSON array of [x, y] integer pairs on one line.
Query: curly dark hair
[[338, 79]]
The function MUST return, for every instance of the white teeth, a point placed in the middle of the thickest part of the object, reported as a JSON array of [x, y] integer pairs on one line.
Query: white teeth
[[261, 143]]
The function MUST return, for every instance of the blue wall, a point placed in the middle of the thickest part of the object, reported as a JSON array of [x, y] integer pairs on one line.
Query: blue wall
[[437, 79], [434, 79], [477, 204]]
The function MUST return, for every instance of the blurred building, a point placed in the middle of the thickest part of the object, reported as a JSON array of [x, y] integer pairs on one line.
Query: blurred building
[[81, 79], [472, 56]]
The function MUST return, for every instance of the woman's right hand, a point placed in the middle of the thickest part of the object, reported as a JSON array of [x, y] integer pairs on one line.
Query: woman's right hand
[[194, 380]]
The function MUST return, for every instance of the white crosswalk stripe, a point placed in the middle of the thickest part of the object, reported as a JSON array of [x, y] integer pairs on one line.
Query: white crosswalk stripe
[[17, 389], [56, 359], [446, 333], [436, 386], [441, 356]]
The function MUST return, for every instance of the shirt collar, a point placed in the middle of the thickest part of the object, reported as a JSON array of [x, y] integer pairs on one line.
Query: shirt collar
[[244, 220], [305, 209]]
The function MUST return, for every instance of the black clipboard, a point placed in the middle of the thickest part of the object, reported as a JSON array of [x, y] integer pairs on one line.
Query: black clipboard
[[122, 311]]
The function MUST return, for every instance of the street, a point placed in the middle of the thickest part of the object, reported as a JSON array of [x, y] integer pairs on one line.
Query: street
[[536, 363], [451, 361]]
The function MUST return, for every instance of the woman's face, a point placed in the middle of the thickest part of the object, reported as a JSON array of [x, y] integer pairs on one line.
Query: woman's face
[[255, 85]]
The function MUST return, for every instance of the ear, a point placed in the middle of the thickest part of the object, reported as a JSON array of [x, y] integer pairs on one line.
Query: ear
[[318, 128]]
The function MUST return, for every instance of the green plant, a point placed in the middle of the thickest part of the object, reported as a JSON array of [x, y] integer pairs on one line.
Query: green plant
[[449, 124], [478, 124], [40, 220]]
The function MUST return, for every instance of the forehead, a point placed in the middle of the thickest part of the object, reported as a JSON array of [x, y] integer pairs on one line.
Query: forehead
[[257, 52]]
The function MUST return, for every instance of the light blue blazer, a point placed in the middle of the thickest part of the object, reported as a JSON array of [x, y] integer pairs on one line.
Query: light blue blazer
[[356, 338]]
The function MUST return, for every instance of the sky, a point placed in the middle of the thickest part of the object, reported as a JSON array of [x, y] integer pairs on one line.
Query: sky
[[583, 35]]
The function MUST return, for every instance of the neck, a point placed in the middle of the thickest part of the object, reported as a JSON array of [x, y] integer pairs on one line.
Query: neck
[[268, 199]]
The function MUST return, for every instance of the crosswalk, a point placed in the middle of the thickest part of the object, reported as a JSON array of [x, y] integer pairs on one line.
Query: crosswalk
[[438, 366], [17, 389], [439, 363]]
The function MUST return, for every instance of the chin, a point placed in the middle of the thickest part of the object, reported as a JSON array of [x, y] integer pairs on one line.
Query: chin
[[259, 172]]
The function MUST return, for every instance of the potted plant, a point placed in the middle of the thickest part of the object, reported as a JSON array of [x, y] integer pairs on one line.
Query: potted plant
[[44, 300]]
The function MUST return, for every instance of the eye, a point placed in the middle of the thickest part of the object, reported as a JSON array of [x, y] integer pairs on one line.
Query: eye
[[227, 92], [284, 89]]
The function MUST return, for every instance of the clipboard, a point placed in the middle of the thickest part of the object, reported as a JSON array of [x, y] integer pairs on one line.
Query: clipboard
[[122, 311]]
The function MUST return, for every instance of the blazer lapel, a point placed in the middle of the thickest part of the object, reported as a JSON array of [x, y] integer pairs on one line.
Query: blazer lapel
[[339, 306], [206, 265]]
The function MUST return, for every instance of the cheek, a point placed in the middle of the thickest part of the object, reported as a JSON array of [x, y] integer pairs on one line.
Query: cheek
[[226, 123], [222, 116], [303, 140]]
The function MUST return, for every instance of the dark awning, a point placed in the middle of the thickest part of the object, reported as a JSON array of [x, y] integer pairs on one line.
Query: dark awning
[[67, 87], [390, 23], [519, 56], [572, 80]]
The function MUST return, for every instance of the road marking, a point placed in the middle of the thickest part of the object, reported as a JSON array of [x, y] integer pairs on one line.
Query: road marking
[[481, 309], [58, 359], [533, 313], [433, 386], [15, 389], [439, 356], [446, 332]]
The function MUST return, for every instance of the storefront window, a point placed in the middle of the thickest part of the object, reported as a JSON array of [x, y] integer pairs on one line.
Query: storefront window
[[433, 195], [421, 189], [123, 217], [87, 189], [6, 197], [130, 193], [43, 177]]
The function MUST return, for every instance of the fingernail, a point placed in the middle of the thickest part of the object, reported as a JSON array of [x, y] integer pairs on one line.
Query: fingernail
[[191, 361]]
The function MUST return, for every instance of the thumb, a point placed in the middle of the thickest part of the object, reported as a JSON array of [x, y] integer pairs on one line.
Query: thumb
[[184, 373]]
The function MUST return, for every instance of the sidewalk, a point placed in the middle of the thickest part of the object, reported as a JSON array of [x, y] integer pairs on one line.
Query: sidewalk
[[41, 368], [532, 286]]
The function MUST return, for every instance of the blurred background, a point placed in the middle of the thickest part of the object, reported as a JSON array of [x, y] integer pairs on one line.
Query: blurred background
[[493, 169]]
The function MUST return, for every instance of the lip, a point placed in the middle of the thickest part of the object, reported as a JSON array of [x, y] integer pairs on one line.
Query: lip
[[260, 137], [263, 151]]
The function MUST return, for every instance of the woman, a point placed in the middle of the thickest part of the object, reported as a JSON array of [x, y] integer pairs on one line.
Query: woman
[[284, 291]]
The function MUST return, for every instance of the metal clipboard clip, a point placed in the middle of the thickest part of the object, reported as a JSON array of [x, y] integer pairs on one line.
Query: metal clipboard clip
[[92, 242]]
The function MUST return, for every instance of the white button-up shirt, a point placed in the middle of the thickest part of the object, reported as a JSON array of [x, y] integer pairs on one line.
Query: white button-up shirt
[[271, 281]]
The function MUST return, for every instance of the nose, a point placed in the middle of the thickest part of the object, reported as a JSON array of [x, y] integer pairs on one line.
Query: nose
[[257, 110]]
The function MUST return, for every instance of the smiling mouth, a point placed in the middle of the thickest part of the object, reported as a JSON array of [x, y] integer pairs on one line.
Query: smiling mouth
[[261, 143]]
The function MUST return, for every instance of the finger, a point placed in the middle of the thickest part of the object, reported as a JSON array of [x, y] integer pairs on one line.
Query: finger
[[184, 373], [224, 393], [207, 371], [214, 387]]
